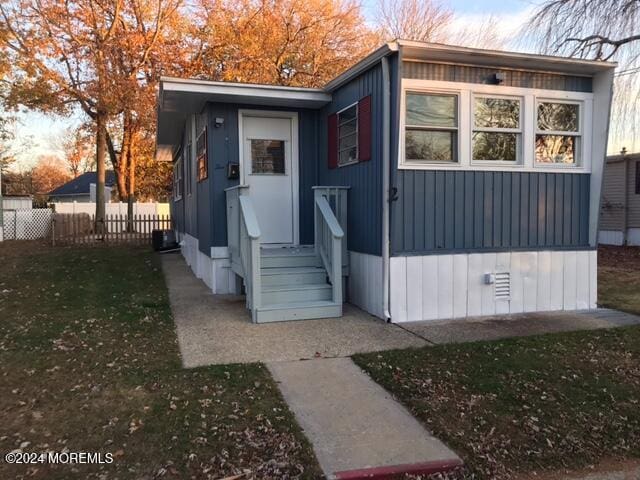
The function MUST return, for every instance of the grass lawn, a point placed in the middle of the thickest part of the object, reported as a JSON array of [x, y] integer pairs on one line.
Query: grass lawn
[[534, 404], [89, 362], [619, 278]]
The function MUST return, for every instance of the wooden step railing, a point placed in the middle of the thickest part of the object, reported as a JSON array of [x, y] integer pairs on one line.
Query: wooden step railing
[[337, 199], [243, 235], [330, 239]]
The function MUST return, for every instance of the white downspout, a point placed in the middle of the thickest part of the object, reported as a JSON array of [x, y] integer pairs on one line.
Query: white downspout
[[386, 140]]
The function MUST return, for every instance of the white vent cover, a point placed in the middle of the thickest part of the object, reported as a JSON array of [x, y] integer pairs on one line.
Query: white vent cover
[[503, 285]]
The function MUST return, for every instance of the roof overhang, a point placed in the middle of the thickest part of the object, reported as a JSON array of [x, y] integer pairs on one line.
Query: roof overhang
[[439, 53], [179, 98]]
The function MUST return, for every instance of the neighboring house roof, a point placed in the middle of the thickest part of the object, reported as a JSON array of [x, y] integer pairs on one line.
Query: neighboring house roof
[[620, 158], [80, 184]]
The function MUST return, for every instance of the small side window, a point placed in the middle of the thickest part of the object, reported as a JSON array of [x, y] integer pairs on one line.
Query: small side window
[[348, 135], [637, 178], [188, 167], [201, 155], [177, 179]]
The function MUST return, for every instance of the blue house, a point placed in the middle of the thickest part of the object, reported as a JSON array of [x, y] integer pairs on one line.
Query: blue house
[[425, 182]]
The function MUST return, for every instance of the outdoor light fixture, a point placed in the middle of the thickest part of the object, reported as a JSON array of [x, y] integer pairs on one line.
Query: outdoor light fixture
[[498, 78]]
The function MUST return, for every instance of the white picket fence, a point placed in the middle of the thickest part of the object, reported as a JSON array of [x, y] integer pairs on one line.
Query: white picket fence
[[73, 228], [30, 224], [81, 228]]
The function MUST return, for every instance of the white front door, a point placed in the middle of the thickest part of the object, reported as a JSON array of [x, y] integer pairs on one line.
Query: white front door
[[268, 169]]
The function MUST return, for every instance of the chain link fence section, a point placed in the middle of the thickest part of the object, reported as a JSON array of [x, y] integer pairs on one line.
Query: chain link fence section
[[29, 224]]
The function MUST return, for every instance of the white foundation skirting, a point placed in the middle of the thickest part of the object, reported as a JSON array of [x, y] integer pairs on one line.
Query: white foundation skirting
[[615, 237], [364, 283], [610, 237], [213, 270], [438, 287]]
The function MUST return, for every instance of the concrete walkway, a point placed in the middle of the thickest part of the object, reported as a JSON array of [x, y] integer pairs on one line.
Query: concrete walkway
[[217, 329], [356, 428], [521, 325]]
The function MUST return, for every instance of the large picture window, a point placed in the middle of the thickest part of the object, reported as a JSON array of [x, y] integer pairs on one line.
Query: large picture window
[[497, 129], [348, 135], [557, 132], [447, 125], [431, 128]]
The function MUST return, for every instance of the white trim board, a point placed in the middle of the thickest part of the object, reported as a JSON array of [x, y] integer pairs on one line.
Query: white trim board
[[529, 96], [441, 287], [364, 283], [215, 272]]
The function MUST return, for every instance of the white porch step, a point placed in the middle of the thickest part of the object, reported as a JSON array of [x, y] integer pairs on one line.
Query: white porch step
[[298, 311], [280, 294], [293, 276], [289, 257], [294, 286]]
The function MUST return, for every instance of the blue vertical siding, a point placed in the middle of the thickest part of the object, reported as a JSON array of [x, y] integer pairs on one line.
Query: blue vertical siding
[[364, 178], [512, 78], [448, 211]]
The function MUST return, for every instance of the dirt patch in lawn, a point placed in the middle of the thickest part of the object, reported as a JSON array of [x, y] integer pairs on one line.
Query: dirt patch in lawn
[[89, 363], [524, 405]]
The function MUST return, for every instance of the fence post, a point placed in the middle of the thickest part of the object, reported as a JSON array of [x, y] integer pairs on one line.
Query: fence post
[[53, 230]]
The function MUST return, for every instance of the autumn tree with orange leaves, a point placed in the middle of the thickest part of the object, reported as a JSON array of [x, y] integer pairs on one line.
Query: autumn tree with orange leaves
[[105, 57], [283, 42]]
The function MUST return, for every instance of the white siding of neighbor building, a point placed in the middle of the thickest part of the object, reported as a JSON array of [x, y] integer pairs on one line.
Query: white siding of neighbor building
[[117, 208], [613, 204], [612, 211], [610, 237], [17, 203], [634, 198], [440, 287]]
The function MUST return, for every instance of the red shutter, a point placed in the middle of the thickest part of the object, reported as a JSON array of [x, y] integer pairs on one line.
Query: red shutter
[[364, 129], [332, 136]]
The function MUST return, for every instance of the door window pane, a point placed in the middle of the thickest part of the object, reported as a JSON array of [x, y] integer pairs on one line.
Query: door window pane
[[494, 146], [430, 145], [556, 149], [267, 157], [497, 112], [431, 110], [558, 117]]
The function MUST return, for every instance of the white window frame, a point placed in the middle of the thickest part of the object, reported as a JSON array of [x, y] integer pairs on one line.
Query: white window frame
[[357, 118], [518, 131], [188, 165], [578, 134], [177, 178], [456, 129], [529, 125]]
